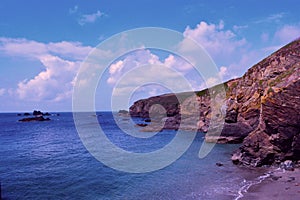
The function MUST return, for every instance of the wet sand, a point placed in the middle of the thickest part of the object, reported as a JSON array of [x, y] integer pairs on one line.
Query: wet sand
[[281, 185]]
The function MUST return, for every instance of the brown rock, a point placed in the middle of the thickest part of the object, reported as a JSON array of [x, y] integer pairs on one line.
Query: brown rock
[[278, 133]]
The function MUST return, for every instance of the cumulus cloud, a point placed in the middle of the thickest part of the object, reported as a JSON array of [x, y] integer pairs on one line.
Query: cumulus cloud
[[54, 84], [138, 58], [145, 57], [60, 60], [225, 46], [221, 44], [228, 49], [90, 18], [149, 69]]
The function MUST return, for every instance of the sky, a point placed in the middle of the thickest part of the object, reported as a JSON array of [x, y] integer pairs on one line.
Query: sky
[[44, 43]]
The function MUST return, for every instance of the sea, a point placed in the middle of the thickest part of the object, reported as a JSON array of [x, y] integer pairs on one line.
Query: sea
[[48, 160]]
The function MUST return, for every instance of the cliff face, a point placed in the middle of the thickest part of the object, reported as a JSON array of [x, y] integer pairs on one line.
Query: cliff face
[[263, 106], [277, 137]]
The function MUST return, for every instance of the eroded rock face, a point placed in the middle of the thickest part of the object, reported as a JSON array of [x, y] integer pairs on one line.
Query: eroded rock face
[[277, 137]]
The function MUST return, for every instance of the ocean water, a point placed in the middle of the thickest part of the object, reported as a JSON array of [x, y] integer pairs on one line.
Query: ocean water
[[47, 160]]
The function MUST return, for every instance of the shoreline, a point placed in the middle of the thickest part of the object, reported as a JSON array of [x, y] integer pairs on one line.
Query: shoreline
[[278, 184]]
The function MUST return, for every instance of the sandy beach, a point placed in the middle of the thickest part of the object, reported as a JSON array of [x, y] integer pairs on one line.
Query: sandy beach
[[280, 185]]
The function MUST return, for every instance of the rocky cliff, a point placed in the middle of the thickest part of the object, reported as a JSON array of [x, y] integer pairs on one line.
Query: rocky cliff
[[262, 106]]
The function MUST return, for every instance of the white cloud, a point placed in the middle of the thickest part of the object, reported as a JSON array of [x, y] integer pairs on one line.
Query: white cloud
[[211, 82], [51, 84], [60, 60], [141, 68], [223, 72], [287, 34], [33, 49], [221, 44], [162, 79], [177, 63], [145, 57], [271, 18], [138, 58], [264, 37], [90, 18], [22, 47], [281, 37], [238, 28], [74, 9], [117, 67], [2, 91], [227, 49], [72, 50], [231, 52]]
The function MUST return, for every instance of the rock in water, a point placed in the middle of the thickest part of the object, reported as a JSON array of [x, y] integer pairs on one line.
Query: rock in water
[[37, 112], [31, 119]]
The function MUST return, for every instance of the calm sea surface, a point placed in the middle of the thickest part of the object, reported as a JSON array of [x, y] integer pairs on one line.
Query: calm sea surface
[[47, 160]]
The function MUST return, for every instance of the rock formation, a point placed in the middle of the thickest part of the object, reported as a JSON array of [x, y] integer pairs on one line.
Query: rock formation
[[262, 106], [277, 137], [38, 116], [31, 119]]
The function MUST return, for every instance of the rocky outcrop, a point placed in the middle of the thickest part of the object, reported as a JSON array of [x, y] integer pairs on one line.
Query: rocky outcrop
[[277, 137], [262, 106], [38, 116], [169, 102], [32, 119]]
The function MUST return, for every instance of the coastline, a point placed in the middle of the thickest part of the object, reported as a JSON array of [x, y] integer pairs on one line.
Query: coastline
[[278, 184]]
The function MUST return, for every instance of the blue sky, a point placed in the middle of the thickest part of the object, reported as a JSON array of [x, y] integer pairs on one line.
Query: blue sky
[[42, 43]]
